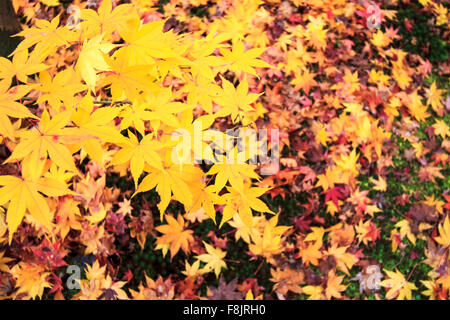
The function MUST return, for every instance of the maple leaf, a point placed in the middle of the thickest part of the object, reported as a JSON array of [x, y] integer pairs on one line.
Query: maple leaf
[[95, 271], [9, 107], [107, 19], [139, 153], [46, 139], [286, 280], [155, 290], [91, 58], [344, 260], [145, 42], [234, 100], [231, 170], [243, 61], [61, 90], [47, 37], [268, 243], [23, 196], [398, 287], [435, 96], [199, 148], [67, 217], [175, 235], [416, 108], [444, 233], [380, 184], [125, 80], [97, 124], [347, 163], [203, 93], [242, 230], [91, 236], [162, 109], [193, 270], [213, 259], [367, 231], [225, 291], [316, 33], [242, 202], [304, 80], [378, 77], [350, 82], [205, 199], [334, 194], [328, 179], [174, 180], [125, 207], [50, 254], [402, 77], [441, 128], [135, 115], [334, 286], [203, 65], [316, 235], [20, 67], [442, 13], [30, 279], [249, 296], [380, 39], [369, 279], [97, 215], [50, 3], [314, 292], [310, 254], [430, 173]]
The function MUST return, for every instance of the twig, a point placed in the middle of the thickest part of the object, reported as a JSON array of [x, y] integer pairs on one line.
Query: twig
[[110, 102], [102, 102], [232, 261], [259, 267], [412, 271]]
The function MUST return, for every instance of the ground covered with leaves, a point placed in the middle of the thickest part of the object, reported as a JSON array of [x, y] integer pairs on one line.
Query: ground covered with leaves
[[93, 205]]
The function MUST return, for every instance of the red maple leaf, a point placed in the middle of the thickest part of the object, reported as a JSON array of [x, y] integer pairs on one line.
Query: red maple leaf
[[334, 194], [50, 255]]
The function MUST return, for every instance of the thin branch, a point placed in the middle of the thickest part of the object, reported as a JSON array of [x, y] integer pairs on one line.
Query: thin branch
[[110, 102], [102, 102]]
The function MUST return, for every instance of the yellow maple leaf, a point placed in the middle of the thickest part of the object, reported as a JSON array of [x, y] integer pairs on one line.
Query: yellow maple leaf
[[334, 286], [213, 259], [316, 34], [444, 233], [30, 279], [23, 195], [48, 137], [397, 286], [139, 153], [314, 292], [107, 20], [242, 60], [441, 128], [91, 59], [405, 230], [234, 100], [269, 242], [344, 260], [175, 235], [21, 66], [173, 180], [380, 184], [311, 253], [243, 202]]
